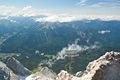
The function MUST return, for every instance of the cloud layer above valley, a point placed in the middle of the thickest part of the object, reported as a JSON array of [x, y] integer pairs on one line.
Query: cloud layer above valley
[[76, 48], [16, 11], [50, 17]]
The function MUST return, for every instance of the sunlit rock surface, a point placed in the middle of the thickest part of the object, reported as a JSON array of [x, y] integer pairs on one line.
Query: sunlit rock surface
[[43, 74], [107, 67]]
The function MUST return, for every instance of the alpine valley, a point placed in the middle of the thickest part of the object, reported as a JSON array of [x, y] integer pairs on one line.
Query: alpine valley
[[43, 44]]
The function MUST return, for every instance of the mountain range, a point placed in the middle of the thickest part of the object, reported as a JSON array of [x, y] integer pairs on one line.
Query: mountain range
[[35, 42]]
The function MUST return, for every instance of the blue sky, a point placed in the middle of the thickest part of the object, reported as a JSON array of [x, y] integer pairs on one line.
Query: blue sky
[[72, 7], [41, 3]]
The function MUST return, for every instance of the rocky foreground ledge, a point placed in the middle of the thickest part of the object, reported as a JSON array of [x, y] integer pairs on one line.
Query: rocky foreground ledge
[[107, 67]]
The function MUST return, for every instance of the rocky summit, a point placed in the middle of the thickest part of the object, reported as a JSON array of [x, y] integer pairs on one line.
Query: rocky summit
[[107, 67]]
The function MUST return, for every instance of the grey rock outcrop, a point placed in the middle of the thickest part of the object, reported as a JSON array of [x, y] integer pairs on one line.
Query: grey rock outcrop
[[6, 73], [12, 69], [16, 67], [107, 67]]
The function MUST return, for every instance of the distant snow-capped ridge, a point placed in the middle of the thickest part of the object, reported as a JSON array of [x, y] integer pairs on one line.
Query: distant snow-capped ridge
[[28, 11], [59, 18], [67, 18]]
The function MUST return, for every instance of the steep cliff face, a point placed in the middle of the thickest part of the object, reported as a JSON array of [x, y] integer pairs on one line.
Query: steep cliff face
[[12, 69], [6, 73], [16, 67], [107, 67]]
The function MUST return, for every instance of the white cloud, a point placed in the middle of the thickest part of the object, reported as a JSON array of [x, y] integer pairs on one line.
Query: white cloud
[[104, 31], [7, 10], [25, 11], [81, 2], [27, 8], [28, 11], [57, 18], [76, 48], [109, 4], [51, 17], [99, 3], [67, 18]]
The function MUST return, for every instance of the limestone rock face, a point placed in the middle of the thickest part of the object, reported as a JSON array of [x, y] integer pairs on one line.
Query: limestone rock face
[[64, 75], [12, 69], [107, 67], [6, 73], [43, 74], [16, 67]]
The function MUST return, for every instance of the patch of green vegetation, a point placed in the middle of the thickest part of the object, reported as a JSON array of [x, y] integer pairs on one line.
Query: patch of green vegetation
[[32, 61], [38, 69], [4, 55]]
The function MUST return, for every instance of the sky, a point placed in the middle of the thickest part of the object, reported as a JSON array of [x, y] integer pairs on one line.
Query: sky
[[78, 8]]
